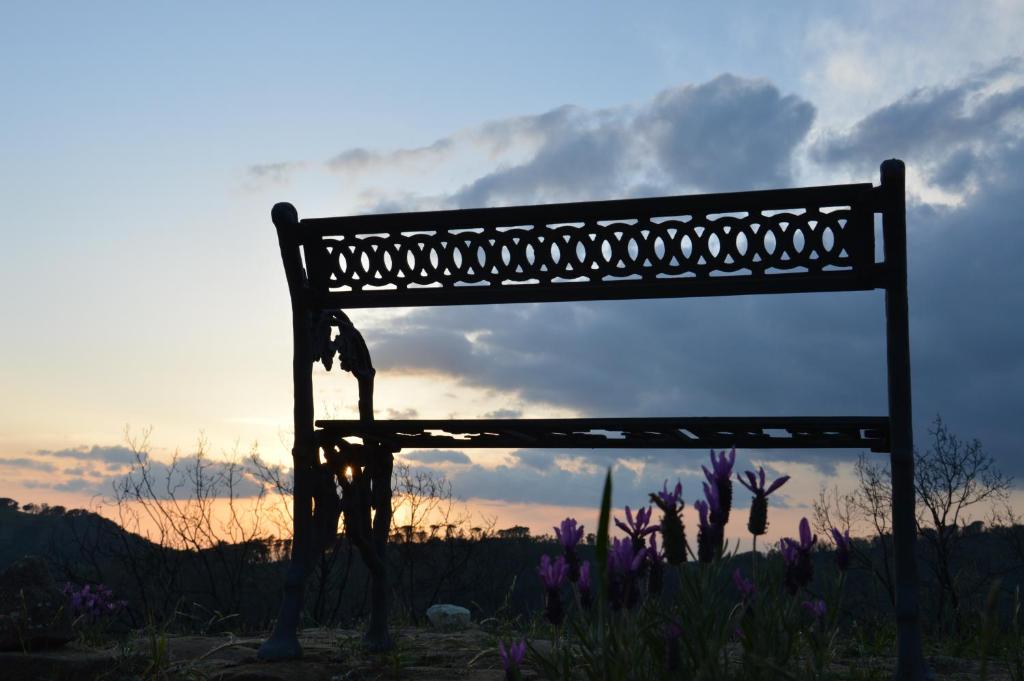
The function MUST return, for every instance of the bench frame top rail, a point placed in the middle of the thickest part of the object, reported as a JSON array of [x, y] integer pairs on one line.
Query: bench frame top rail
[[779, 241]]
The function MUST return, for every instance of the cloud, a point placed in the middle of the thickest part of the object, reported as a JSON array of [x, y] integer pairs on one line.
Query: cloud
[[794, 354], [570, 478], [814, 354], [728, 133], [683, 139], [401, 414], [110, 455], [276, 173], [436, 456], [221, 477], [73, 485], [582, 153], [28, 464], [504, 414], [947, 133], [538, 459], [356, 160]]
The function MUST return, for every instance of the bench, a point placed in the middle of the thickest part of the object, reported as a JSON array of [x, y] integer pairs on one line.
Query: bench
[[814, 239]]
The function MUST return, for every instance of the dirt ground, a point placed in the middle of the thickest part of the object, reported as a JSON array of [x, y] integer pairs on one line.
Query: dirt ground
[[335, 655]]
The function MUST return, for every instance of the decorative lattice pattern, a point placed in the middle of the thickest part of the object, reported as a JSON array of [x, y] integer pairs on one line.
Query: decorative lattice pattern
[[699, 245]]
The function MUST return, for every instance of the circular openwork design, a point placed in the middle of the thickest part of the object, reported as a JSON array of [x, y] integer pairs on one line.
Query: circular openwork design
[[651, 248]]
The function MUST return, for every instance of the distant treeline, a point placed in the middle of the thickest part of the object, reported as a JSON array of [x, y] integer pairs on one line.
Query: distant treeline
[[236, 586]]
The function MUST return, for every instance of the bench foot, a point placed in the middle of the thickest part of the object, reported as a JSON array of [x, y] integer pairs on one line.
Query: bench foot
[[378, 641], [280, 647], [283, 643]]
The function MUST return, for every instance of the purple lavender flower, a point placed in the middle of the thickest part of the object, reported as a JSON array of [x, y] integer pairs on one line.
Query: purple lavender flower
[[711, 532], [669, 501], [624, 564], [553, 575], [816, 608], [92, 601], [807, 540], [713, 500], [744, 586], [512, 658], [708, 533], [842, 540], [787, 547], [758, 522], [720, 476], [797, 557], [584, 586], [637, 528], [569, 535], [673, 534], [624, 559]]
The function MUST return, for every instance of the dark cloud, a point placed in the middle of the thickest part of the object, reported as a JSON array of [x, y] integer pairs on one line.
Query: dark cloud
[[110, 455], [401, 414], [799, 354], [504, 414], [730, 133], [558, 479], [683, 139], [28, 464], [434, 456], [581, 154], [947, 133], [221, 477], [73, 485], [524, 484], [277, 173], [539, 459], [358, 159], [966, 298], [808, 354]]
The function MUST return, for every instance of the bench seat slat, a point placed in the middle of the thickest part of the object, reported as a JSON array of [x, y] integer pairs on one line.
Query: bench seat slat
[[784, 432]]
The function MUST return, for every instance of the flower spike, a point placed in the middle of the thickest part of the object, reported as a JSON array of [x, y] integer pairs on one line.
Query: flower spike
[[757, 524]]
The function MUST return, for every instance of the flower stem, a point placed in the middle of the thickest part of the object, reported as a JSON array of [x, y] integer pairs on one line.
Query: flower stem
[[753, 560]]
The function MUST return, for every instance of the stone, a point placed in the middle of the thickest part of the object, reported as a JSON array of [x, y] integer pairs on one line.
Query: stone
[[34, 613], [448, 617]]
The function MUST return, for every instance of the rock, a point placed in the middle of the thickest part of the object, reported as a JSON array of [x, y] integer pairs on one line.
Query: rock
[[449, 617], [34, 613]]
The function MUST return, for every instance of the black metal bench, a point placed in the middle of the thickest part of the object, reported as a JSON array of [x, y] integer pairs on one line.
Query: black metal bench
[[816, 239]]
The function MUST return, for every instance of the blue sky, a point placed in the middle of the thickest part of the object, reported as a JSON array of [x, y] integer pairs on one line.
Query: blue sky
[[143, 145]]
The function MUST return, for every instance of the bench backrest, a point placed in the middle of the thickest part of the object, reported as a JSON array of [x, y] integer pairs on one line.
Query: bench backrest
[[778, 241]]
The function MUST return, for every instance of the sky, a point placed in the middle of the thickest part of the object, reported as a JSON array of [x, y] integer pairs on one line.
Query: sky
[[144, 144]]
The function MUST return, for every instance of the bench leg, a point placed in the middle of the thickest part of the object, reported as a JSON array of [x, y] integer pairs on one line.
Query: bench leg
[[911, 665], [378, 638], [283, 643]]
